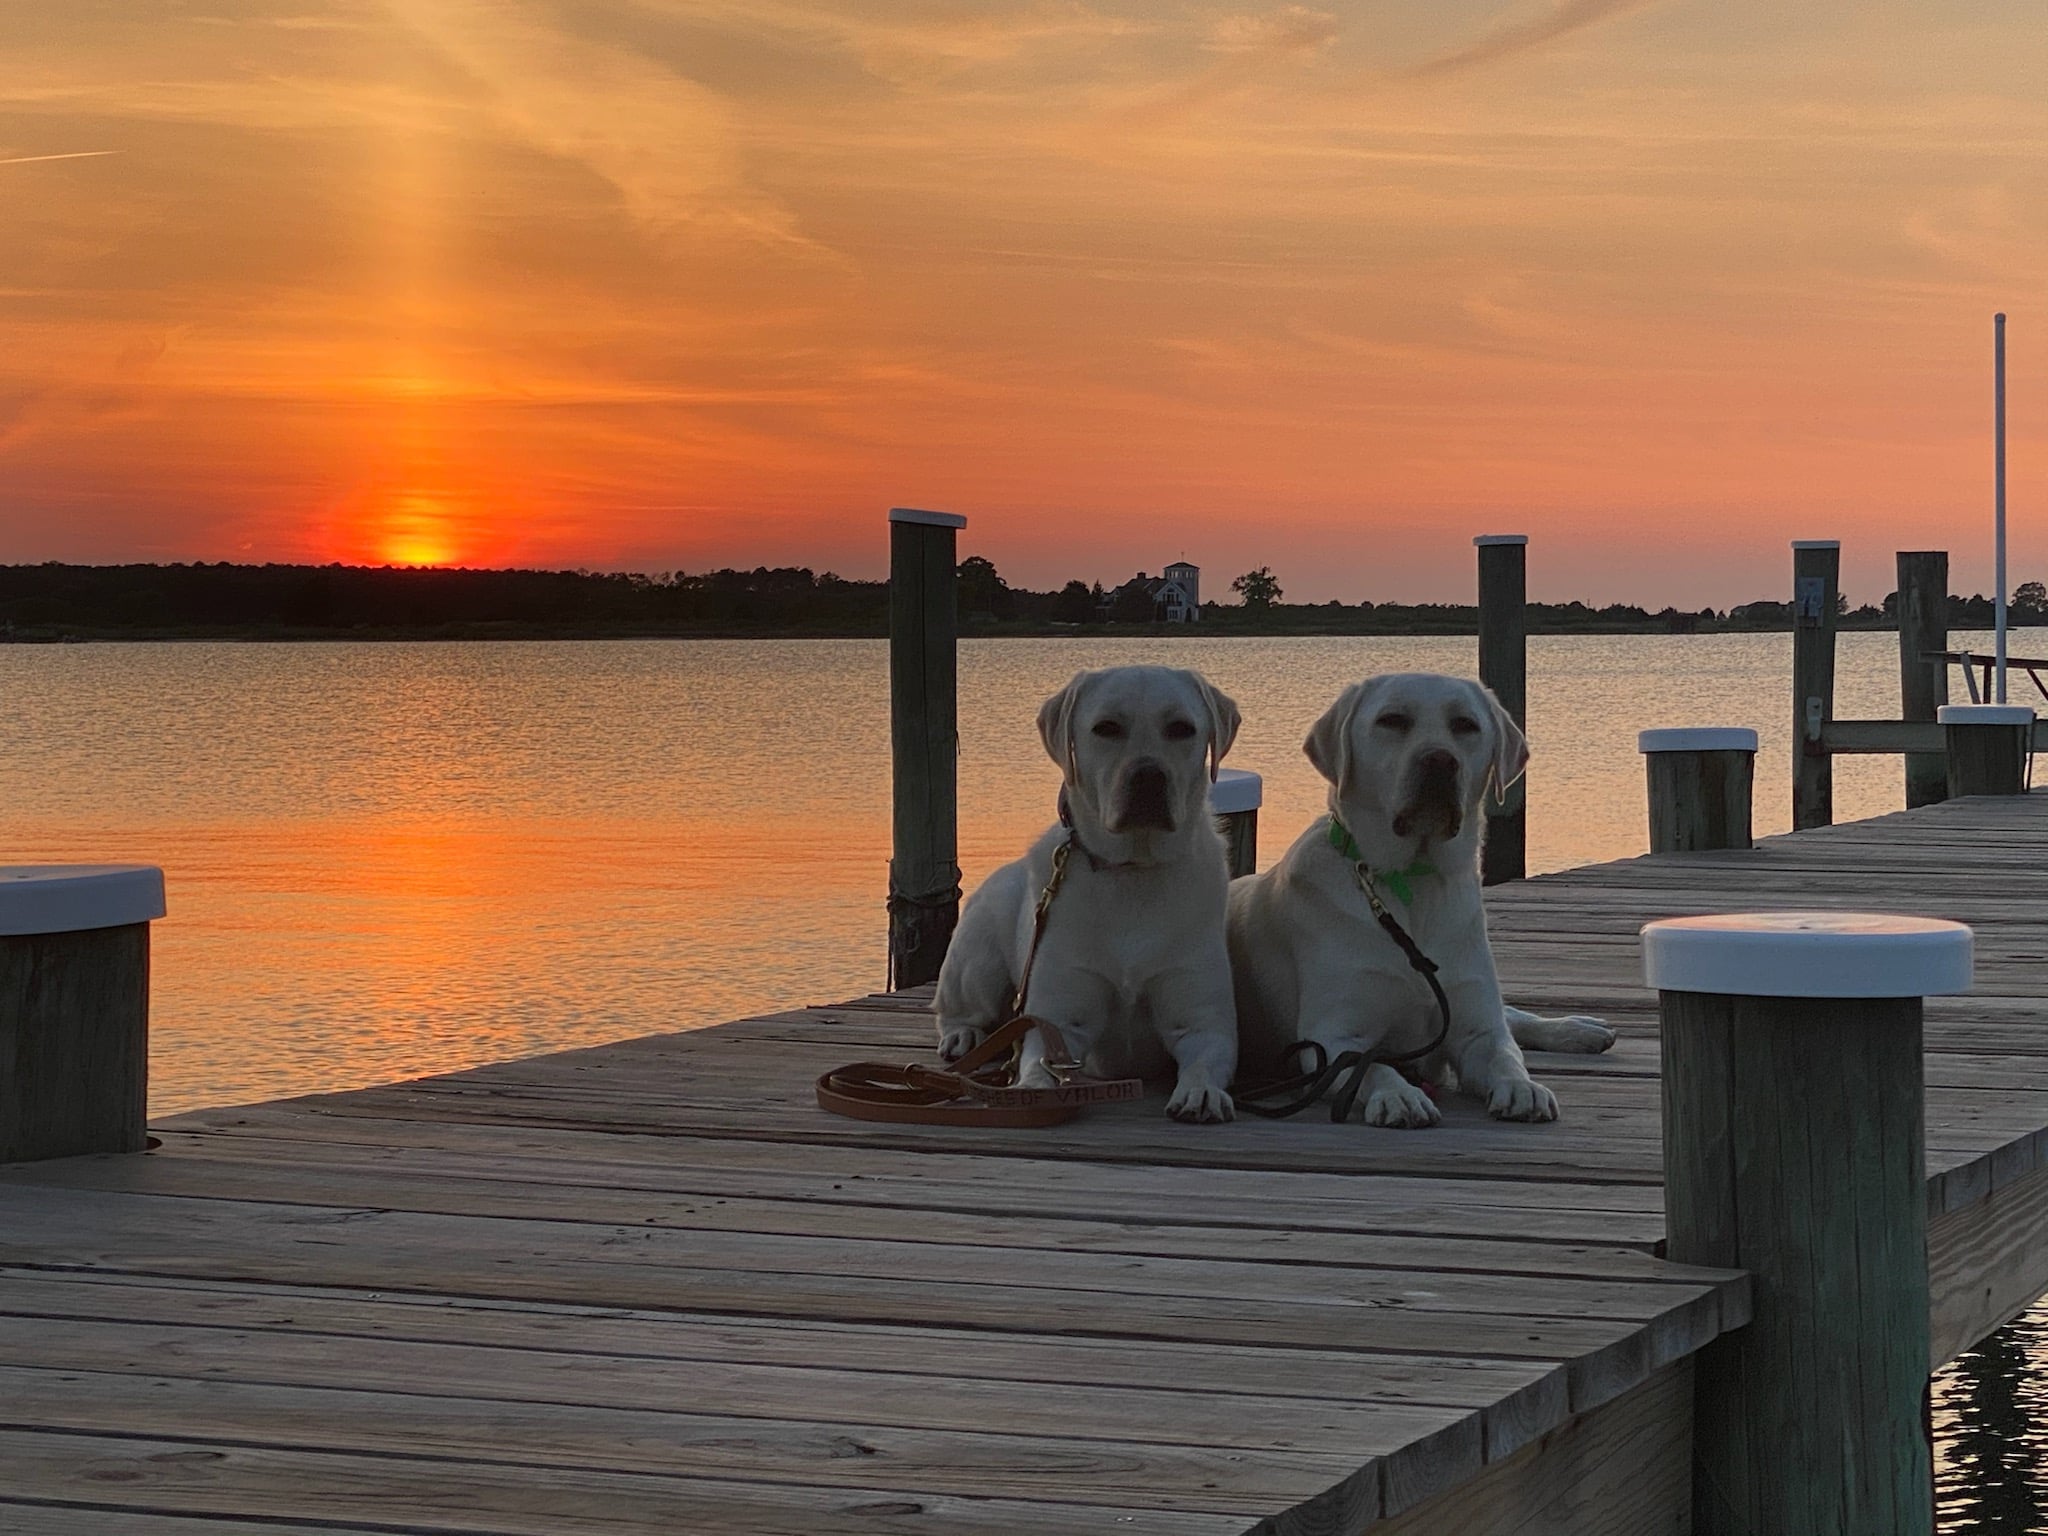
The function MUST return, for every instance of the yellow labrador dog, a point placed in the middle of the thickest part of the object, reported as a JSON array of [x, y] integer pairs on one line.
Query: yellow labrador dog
[[1409, 758], [1133, 967]]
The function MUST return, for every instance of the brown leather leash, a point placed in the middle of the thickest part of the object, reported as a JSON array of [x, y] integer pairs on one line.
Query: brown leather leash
[[978, 1089], [981, 1088]]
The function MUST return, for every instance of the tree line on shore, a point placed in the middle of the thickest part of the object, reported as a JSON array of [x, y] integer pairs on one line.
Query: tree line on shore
[[54, 601]]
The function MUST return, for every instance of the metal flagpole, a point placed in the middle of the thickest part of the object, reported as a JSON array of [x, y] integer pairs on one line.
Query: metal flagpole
[[1998, 478]]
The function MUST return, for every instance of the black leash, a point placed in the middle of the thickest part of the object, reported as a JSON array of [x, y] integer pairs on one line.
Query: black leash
[[1347, 1071]]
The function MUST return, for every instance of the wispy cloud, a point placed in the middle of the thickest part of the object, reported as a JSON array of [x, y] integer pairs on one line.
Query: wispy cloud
[[1289, 29], [1504, 42], [664, 142], [75, 154], [1247, 47], [708, 278]]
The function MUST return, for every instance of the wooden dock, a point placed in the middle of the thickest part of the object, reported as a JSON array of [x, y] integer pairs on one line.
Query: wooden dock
[[650, 1288]]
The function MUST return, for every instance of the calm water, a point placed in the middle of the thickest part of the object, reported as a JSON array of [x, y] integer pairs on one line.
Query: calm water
[[392, 859]]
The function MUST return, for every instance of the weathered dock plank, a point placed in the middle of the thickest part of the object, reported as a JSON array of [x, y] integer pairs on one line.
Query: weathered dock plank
[[649, 1287]]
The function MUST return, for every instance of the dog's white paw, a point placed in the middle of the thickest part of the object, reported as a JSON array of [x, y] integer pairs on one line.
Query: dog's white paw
[[1202, 1103], [957, 1040], [1402, 1108], [1037, 1075], [1518, 1098], [1579, 1033]]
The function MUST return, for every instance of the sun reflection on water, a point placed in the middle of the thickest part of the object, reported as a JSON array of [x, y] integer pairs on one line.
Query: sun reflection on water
[[1991, 1435]]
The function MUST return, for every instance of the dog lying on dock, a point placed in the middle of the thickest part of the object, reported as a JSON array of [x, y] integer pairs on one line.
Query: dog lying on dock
[[1132, 966], [1409, 759]]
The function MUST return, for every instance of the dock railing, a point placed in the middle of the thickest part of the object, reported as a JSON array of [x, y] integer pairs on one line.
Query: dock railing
[[1928, 746]]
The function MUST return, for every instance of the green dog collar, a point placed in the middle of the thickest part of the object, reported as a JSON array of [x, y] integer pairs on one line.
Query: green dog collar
[[1395, 880]]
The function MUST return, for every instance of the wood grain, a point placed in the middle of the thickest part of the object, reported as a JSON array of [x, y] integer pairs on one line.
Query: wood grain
[[1813, 685], [1700, 801], [1504, 667], [924, 749], [74, 1042], [1923, 669], [1793, 1151], [648, 1287]]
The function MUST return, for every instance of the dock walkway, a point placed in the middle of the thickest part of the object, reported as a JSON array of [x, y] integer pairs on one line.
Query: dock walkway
[[650, 1288]]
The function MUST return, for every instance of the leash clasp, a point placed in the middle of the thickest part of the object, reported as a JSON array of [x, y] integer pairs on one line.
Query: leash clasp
[[1372, 893], [1052, 884]]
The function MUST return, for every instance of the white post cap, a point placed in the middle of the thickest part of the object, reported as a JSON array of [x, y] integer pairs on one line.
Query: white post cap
[[67, 898], [929, 519], [1697, 738], [1235, 789], [1485, 539], [1985, 714], [1816, 543], [1808, 954]]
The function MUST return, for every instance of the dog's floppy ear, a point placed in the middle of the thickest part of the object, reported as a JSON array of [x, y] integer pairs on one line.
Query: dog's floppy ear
[[1224, 719], [1329, 739], [1510, 746], [1056, 725]]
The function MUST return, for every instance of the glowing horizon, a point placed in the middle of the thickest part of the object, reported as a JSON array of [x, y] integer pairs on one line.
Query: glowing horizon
[[662, 284]]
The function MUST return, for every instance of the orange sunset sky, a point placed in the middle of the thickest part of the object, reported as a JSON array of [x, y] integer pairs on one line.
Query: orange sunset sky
[[1331, 287]]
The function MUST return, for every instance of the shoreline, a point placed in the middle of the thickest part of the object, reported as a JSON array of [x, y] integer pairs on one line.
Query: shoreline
[[484, 632]]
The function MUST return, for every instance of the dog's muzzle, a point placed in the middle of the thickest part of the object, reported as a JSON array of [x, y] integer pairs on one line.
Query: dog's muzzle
[[1147, 800], [1437, 803]]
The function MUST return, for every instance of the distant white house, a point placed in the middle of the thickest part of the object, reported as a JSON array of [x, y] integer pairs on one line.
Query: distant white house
[[1180, 593], [1176, 593]]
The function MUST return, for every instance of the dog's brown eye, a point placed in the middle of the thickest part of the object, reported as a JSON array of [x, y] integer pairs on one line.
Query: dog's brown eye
[[1394, 720], [1180, 730], [1108, 728], [1463, 727]]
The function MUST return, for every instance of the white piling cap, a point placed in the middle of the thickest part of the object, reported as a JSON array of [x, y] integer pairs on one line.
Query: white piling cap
[[1697, 738], [1816, 543], [1985, 714], [1808, 954], [67, 898], [1236, 789], [1484, 539], [929, 519]]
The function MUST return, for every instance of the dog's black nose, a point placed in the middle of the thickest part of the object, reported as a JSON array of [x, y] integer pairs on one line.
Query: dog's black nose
[[1145, 798], [1437, 763]]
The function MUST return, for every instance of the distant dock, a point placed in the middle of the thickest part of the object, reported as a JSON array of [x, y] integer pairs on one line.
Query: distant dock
[[650, 1288]]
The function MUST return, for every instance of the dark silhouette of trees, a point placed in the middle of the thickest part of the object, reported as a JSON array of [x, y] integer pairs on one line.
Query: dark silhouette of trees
[[1258, 588], [337, 599], [1074, 604], [52, 600], [982, 588]]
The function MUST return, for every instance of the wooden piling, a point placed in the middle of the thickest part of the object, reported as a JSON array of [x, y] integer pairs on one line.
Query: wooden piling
[[1504, 667], [1989, 748], [1235, 798], [924, 741], [1701, 784], [1923, 671], [1816, 583], [1792, 1094], [74, 1008]]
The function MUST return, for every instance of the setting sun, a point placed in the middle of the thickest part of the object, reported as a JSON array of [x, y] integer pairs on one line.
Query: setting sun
[[416, 532]]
